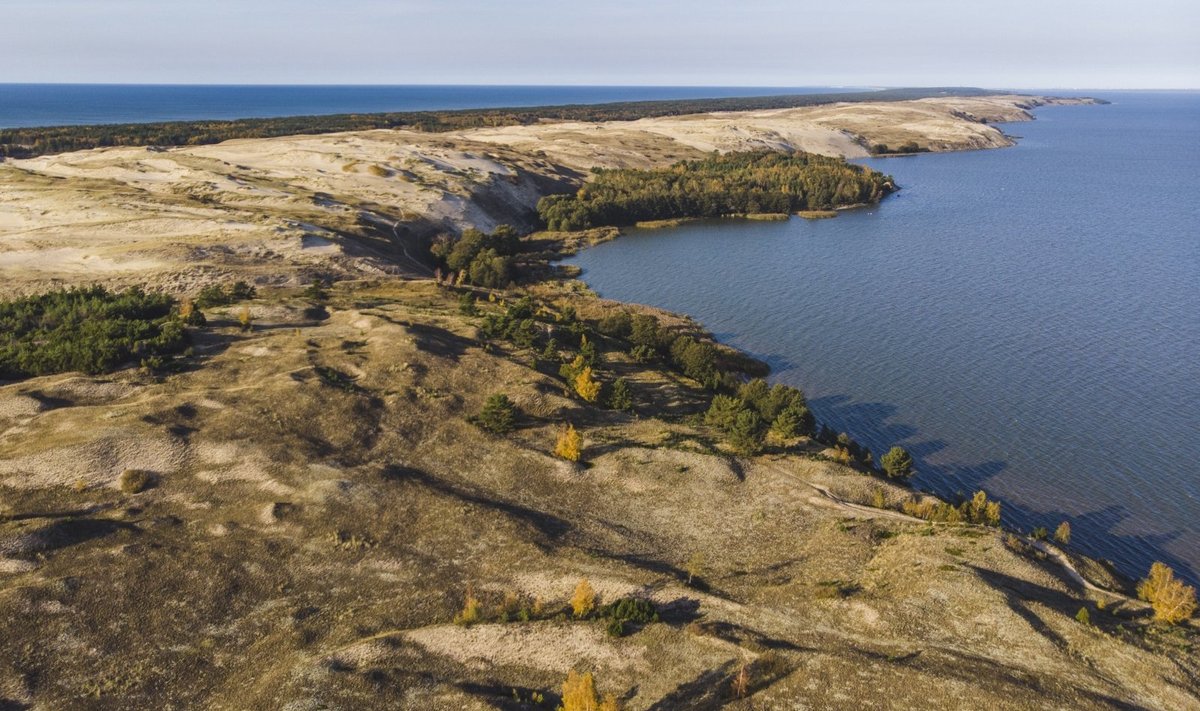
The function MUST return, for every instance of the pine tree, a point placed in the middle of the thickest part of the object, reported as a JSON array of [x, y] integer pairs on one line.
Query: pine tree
[[499, 414], [897, 463], [619, 397], [746, 433]]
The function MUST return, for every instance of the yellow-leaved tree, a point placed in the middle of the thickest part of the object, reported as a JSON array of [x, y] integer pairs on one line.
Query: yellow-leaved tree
[[579, 694], [584, 599], [1173, 602], [586, 385], [569, 445]]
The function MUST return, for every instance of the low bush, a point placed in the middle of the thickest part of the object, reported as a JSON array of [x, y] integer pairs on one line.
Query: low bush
[[135, 481]]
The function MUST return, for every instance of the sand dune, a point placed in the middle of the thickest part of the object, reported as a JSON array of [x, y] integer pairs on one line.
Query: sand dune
[[183, 217]]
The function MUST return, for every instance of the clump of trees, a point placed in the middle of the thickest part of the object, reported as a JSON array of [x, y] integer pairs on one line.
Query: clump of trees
[[627, 614], [758, 410], [882, 149], [977, 509], [733, 183], [217, 295], [1173, 602], [579, 694], [88, 329], [485, 259]]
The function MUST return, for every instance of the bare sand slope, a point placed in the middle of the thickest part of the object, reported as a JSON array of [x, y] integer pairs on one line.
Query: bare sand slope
[[284, 209]]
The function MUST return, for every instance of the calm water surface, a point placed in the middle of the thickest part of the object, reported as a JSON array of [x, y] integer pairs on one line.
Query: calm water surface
[[1025, 320], [23, 105]]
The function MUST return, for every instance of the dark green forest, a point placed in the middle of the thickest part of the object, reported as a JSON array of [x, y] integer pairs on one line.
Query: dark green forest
[[87, 329], [730, 184], [30, 142]]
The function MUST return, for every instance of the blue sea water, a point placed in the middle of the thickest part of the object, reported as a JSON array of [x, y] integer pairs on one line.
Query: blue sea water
[[1024, 320], [23, 105]]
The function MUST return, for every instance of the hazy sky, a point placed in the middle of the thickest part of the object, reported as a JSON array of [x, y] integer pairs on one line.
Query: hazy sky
[[1015, 43]]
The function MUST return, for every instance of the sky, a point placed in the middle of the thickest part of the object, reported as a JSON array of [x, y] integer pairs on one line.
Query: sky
[[1016, 43]]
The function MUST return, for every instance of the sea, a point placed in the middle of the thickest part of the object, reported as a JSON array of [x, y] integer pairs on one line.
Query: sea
[[28, 105], [1025, 320]]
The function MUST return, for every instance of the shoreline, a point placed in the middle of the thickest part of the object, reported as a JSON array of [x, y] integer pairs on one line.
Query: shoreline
[[1059, 556]]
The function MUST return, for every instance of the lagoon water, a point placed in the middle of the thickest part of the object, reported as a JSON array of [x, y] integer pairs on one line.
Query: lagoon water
[[24, 105], [1024, 320]]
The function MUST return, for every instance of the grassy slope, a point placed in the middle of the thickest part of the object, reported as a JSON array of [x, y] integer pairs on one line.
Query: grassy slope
[[309, 542]]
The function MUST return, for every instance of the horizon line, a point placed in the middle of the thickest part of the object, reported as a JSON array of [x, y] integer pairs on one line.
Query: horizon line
[[591, 86]]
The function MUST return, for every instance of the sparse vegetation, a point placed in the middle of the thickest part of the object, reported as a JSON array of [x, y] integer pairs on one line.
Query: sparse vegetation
[[30, 142], [472, 610]]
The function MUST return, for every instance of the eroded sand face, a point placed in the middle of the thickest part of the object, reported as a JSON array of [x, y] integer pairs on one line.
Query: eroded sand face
[[281, 210]]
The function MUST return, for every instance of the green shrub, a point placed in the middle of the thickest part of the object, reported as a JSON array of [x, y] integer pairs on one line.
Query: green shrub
[[619, 397], [466, 305], [626, 612], [499, 415], [897, 463]]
